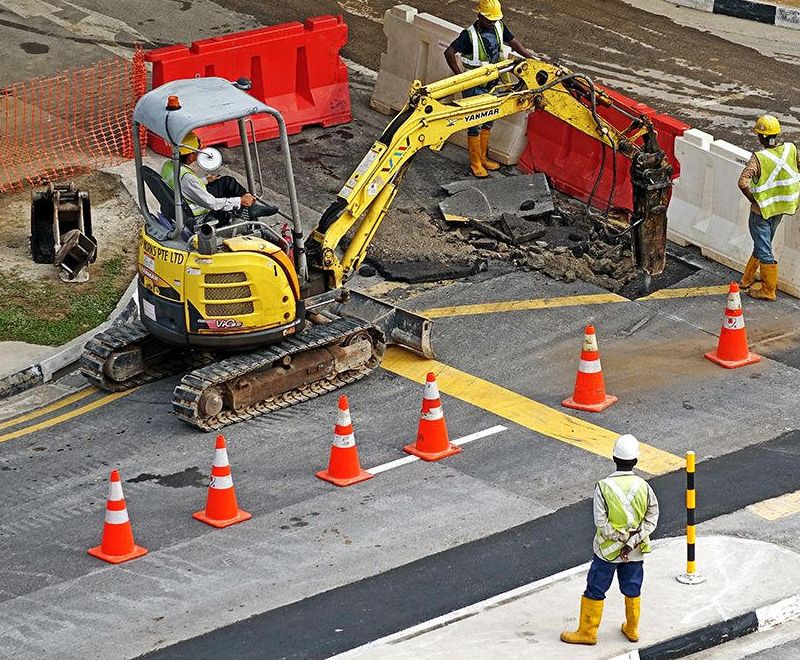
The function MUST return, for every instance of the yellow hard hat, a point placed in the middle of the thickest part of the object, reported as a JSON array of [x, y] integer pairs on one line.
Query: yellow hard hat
[[490, 9], [191, 143], [767, 125]]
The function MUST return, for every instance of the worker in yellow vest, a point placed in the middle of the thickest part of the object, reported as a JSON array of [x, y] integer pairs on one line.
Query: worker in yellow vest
[[771, 181], [486, 41], [625, 514], [215, 196]]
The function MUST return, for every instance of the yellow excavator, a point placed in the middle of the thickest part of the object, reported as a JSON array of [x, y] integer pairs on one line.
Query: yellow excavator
[[263, 322]]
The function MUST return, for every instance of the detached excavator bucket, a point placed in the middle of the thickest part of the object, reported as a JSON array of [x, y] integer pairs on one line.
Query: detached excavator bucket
[[399, 326]]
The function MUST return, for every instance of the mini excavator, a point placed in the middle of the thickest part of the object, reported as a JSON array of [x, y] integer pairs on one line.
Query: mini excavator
[[261, 323]]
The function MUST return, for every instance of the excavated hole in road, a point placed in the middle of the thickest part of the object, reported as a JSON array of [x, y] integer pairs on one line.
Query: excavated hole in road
[[416, 246]]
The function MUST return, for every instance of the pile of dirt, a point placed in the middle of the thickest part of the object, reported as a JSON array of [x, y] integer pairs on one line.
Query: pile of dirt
[[411, 247]]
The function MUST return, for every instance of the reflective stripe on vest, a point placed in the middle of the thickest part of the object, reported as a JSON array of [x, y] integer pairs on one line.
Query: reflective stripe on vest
[[168, 176], [479, 55], [780, 191], [626, 498]]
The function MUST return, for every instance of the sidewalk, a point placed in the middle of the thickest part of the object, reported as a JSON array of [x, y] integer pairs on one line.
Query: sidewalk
[[741, 575], [781, 13]]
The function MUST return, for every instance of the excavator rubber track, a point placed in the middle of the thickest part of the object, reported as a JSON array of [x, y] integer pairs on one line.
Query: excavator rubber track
[[104, 346], [230, 372]]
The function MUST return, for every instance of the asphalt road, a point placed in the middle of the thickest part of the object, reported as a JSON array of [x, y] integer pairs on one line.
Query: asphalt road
[[307, 539]]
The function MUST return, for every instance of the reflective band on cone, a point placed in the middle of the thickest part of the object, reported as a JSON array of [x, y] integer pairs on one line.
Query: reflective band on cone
[[117, 545], [344, 468], [222, 509], [589, 394], [732, 350], [433, 441]]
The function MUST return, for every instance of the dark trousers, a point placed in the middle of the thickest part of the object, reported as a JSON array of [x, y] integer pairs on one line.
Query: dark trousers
[[227, 186], [629, 574]]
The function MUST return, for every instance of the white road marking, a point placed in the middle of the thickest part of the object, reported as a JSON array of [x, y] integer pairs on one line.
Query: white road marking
[[460, 441]]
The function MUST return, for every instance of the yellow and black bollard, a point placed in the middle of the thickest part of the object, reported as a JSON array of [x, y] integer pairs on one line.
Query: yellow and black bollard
[[691, 576]]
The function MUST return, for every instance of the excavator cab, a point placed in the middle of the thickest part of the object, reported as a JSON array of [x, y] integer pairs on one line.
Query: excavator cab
[[204, 284]]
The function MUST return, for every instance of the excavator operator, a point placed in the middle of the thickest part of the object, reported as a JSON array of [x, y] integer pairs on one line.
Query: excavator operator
[[216, 197], [486, 41]]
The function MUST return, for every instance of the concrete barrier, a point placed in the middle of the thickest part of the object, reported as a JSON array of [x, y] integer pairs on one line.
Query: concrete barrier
[[709, 211], [415, 45]]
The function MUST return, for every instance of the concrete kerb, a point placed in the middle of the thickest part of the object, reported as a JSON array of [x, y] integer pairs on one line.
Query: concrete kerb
[[67, 355], [761, 12], [751, 586]]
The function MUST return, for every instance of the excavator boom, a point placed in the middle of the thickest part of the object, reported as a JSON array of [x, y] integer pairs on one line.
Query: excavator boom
[[431, 116]]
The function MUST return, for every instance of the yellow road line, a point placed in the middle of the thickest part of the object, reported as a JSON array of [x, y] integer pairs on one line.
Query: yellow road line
[[523, 411], [67, 400], [97, 403], [689, 292], [777, 507], [520, 305]]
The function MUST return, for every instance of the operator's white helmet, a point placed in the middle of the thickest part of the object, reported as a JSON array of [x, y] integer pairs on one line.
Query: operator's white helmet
[[626, 448]]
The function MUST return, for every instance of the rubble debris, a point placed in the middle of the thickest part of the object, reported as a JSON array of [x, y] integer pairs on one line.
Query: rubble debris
[[527, 195], [468, 204], [367, 271], [489, 230], [521, 230]]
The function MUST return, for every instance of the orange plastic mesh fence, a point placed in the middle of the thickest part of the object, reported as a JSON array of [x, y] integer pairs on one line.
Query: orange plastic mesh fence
[[72, 123]]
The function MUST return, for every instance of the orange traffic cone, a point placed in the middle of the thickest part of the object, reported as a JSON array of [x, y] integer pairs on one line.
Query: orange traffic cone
[[344, 468], [732, 350], [590, 389], [222, 509], [433, 442], [117, 545]]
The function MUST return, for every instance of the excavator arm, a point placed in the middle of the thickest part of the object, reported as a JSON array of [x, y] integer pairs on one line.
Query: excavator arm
[[431, 116]]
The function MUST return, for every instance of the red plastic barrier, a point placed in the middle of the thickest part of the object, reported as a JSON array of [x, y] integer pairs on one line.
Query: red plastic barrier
[[572, 159], [294, 67]]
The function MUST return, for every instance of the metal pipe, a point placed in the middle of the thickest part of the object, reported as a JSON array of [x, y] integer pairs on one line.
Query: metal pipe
[[300, 262], [176, 176], [206, 239], [137, 160], [248, 157]]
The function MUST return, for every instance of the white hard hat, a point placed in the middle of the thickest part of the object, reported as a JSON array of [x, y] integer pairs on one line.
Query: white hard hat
[[626, 447]]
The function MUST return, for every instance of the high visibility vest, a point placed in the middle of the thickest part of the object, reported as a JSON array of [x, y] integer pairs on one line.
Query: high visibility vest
[[777, 190], [167, 173], [626, 498], [479, 55]]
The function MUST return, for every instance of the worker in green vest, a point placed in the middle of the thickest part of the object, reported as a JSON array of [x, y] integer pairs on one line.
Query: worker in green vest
[[625, 514], [486, 41], [215, 196], [771, 181]]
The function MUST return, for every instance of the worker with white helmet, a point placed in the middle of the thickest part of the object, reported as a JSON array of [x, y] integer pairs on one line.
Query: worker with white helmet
[[625, 514], [486, 41], [771, 181]]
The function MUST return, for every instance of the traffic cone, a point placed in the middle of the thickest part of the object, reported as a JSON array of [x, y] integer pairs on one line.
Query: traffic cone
[[590, 390], [221, 510], [433, 442], [732, 350], [344, 468], [117, 545]]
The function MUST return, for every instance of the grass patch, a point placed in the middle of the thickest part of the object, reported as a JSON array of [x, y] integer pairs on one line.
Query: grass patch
[[51, 312]]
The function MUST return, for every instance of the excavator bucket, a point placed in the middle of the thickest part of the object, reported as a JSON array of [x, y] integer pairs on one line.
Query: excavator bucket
[[399, 326]]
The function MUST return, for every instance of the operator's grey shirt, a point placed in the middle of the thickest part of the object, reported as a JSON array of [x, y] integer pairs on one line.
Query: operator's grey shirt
[[196, 194], [607, 530]]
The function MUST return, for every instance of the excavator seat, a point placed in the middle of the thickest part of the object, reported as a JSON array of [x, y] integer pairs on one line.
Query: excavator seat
[[166, 200]]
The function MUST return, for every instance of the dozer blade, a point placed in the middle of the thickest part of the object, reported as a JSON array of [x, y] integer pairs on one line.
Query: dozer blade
[[399, 326]]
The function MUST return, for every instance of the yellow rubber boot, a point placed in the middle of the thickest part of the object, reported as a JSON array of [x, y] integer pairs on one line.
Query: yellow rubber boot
[[475, 160], [749, 275], [589, 622], [769, 283], [631, 626], [487, 162]]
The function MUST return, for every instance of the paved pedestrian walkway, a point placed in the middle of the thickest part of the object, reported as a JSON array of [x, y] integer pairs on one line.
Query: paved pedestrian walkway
[[741, 575]]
